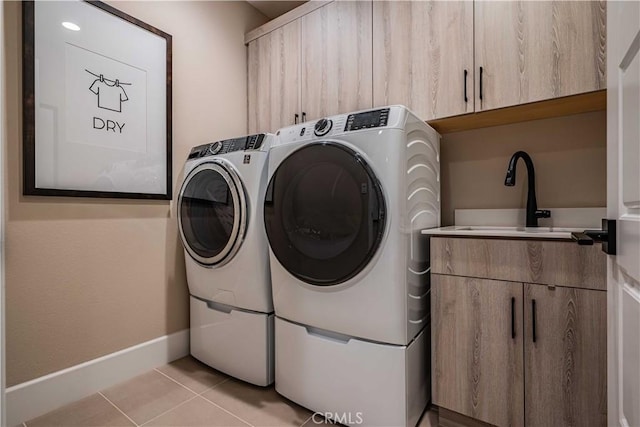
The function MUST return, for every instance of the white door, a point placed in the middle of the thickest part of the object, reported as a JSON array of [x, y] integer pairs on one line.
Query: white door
[[623, 205]]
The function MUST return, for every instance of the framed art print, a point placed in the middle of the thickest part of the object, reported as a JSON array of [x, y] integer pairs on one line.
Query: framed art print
[[97, 102]]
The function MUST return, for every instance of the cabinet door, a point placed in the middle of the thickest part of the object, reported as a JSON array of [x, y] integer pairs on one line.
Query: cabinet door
[[421, 50], [477, 348], [336, 59], [565, 361], [274, 79], [535, 50]]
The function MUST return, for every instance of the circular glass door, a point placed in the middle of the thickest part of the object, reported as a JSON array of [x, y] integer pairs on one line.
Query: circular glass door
[[211, 214], [324, 213]]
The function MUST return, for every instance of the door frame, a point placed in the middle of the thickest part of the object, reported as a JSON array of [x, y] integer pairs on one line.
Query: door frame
[[3, 140]]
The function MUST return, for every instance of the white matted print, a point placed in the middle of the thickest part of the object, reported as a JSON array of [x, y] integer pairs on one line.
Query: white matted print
[[101, 101], [104, 101]]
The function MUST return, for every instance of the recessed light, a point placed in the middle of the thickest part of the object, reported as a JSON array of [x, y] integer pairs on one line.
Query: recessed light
[[71, 26]]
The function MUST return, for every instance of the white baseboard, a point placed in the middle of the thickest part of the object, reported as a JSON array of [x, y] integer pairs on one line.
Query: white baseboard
[[41, 395]]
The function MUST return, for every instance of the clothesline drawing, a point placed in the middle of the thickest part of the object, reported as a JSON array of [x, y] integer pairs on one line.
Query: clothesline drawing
[[111, 93], [101, 77]]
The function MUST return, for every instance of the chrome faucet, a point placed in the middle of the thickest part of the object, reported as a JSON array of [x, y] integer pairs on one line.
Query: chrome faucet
[[532, 205]]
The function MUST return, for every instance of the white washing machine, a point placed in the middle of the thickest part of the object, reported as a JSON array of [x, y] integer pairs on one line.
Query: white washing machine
[[226, 255], [347, 198]]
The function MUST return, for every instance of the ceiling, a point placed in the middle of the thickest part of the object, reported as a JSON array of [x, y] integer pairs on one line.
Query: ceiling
[[273, 9]]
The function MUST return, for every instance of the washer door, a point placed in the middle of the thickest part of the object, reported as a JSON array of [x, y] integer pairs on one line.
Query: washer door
[[324, 213], [212, 213]]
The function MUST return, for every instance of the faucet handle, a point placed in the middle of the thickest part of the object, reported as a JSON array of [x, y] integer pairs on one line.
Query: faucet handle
[[542, 213]]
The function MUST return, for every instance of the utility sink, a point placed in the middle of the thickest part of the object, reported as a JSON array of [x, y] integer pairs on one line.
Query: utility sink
[[514, 232]]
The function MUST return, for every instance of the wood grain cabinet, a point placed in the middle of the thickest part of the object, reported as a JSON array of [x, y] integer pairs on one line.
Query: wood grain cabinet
[[273, 74], [524, 51], [477, 342], [535, 50], [337, 59], [440, 58], [423, 56], [565, 351], [317, 65], [511, 353]]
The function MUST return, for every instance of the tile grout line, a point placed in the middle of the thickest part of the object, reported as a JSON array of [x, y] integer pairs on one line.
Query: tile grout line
[[214, 386], [228, 412], [307, 420], [197, 395], [193, 391], [168, 410], [176, 381], [119, 410]]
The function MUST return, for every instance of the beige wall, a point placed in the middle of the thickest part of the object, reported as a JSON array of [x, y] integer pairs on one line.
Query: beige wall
[[85, 278], [569, 154]]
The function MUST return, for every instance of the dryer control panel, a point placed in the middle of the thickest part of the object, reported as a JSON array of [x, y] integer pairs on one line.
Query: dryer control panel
[[251, 142]]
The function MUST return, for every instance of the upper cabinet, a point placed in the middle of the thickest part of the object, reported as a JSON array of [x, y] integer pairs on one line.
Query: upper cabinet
[[423, 56], [313, 66], [441, 59], [528, 51], [273, 74], [336, 59]]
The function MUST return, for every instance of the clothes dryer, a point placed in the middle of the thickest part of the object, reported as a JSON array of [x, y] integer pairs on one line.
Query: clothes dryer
[[226, 257]]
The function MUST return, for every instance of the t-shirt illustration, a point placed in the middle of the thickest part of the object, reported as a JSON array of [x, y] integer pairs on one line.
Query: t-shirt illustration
[[110, 93]]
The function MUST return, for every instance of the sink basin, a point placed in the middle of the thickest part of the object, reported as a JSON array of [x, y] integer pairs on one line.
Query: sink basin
[[493, 231]]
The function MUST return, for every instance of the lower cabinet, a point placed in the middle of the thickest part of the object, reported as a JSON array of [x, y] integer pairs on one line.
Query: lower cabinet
[[565, 350], [512, 354], [477, 344]]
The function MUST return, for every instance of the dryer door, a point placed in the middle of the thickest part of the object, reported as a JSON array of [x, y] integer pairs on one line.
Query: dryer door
[[324, 213], [212, 213]]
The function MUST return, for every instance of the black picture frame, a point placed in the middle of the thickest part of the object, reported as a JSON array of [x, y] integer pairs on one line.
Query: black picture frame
[[29, 110]]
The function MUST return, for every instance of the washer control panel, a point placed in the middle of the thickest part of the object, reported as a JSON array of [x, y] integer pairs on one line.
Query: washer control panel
[[374, 120], [322, 127], [251, 142], [367, 120]]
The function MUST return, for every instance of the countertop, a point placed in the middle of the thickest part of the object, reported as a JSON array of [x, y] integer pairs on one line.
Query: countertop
[[541, 233], [507, 224]]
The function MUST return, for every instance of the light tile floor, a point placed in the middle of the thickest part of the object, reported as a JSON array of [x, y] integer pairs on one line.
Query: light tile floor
[[186, 393]]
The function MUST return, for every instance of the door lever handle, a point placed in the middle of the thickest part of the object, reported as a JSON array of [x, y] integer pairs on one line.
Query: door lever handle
[[582, 238], [606, 236]]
